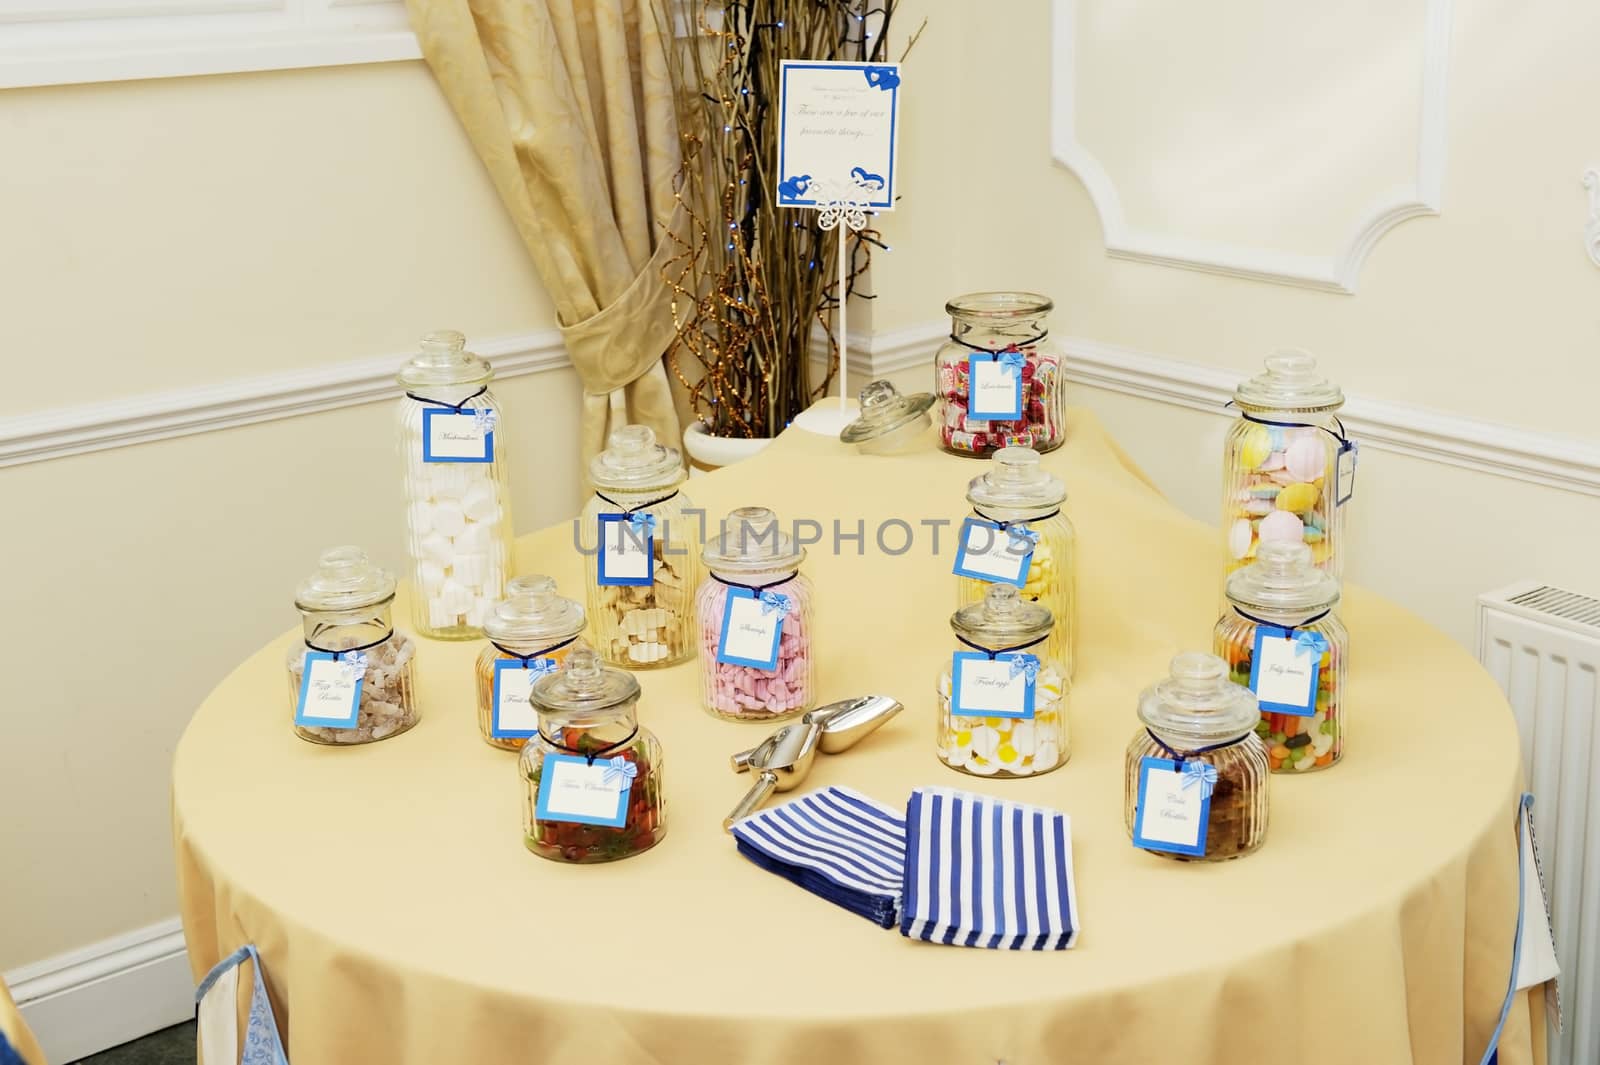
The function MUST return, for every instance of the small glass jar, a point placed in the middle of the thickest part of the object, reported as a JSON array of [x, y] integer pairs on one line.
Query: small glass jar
[[1003, 339], [639, 622], [1197, 715], [1279, 626], [889, 422], [1027, 736], [753, 558], [345, 610], [1026, 503], [589, 741], [458, 506], [533, 625], [1281, 462]]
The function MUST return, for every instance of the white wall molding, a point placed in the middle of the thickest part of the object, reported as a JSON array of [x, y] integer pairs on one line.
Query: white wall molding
[[84, 1001], [181, 412], [1337, 272], [1401, 428]]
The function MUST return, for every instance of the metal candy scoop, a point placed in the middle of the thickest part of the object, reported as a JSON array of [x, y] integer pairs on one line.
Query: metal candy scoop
[[780, 762], [844, 724]]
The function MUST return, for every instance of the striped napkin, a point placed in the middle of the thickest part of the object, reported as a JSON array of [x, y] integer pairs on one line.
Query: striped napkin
[[985, 872], [836, 843]]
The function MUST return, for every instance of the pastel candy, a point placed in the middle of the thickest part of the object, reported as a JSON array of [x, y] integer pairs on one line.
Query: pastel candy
[[1258, 508], [448, 520], [1298, 498], [1240, 536], [470, 569], [1306, 458], [1255, 447], [430, 575], [480, 503], [436, 546], [447, 480], [1280, 525]]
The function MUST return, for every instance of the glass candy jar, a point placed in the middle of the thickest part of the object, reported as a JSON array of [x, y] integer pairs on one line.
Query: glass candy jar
[[457, 503], [889, 422], [591, 775], [350, 677], [1018, 533], [998, 378], [531, 632], [1197, 767], [756, 661], [638, 553], [1002, 697], [1282, 640], [1282, 462]]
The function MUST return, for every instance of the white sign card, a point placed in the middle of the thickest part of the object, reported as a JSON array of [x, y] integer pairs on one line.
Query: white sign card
[[994, 390], [627, 550], [1172, 809], [330, 692], [1284, 666], [837, 128], [1344, 472], [449, 435], [1002, 686], [752, 628], [573, 789], [989, 553], [513, 717]]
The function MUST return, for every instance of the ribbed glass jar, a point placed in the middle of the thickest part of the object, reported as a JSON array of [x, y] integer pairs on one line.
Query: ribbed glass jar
[[637, 500], [458, 510], [534, 626], [1197, 714], [1019, 400]]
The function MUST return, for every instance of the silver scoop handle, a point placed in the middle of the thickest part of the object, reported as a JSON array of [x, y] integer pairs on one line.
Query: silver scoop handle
[[760, 790]]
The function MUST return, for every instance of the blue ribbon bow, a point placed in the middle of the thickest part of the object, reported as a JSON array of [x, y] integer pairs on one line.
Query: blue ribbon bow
[[774, 603], [1011, 359], [1202, 774], [353, 665], [1021, 537], [1309, 643], [538, 667], [484, 419], [1025, 664], [620, 771], [642, 522]]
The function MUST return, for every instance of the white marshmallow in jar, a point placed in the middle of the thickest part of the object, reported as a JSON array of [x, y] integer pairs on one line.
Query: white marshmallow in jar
[[1002, 696], [1288, 467], [1018, 534], [458, 505], [640, 549]]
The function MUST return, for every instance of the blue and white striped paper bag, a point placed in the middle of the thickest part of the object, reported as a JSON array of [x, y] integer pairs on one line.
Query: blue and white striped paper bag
[[836, 843], [985, 872]]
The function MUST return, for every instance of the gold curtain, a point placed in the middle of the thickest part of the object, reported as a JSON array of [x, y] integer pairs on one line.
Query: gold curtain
[[569, 104]]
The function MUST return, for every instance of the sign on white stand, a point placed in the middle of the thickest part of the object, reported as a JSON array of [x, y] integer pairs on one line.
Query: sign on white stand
[[836, 153]]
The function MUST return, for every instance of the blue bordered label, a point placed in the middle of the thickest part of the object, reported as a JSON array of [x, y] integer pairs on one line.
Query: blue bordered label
[[1284, 665], [994, 387], [752, 627], [627, 549], [330, 690], [449, 435], [1344, 472], [837, 130], [1173, 807], [512, 717], [570, 789], [986, 552], [1002, 686]]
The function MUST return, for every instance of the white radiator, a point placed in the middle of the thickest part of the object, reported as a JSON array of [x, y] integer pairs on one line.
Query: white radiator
[[1542, 645]]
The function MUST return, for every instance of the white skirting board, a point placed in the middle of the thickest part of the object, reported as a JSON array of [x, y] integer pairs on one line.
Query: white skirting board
[[107, 993]]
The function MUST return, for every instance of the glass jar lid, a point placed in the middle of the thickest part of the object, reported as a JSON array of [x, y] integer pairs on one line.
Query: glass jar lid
[[1002, 619], [1290, 382], [999, 306], [633, 461], [533, 611], [582, 685], [883, 410], [1197, 705], [1015, 480], [751, 541], [445, 360], [346, 579], [1283, 579]]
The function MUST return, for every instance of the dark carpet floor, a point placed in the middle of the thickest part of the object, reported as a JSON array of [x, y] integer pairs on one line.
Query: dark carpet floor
[[170, 1046]]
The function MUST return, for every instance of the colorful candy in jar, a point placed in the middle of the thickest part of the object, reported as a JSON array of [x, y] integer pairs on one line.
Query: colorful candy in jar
[[1016, 398], [755, 617], [1282, 638], [1002, 697], [530, 633], [1287, 464]]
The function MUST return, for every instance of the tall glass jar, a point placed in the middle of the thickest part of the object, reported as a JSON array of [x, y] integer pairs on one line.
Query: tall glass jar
[[1018, 517], [640, 611], [1282, 463], [757, 664], [531, 632], [349, 637], [1282, 640], [591, 777], [998, 378], [458, 507], [1002, 697], [1201, 727]]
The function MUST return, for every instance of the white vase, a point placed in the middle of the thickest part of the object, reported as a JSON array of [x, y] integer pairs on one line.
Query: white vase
[[707, 452]]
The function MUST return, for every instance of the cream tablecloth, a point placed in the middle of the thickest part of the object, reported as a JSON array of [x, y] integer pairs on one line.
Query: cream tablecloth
[[403, 923]]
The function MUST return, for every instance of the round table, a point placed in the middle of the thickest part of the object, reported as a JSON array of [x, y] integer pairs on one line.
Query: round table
[[402, 922]]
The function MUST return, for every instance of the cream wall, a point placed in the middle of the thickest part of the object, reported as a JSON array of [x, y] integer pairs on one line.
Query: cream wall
[[162, 235], [1490, 310]]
